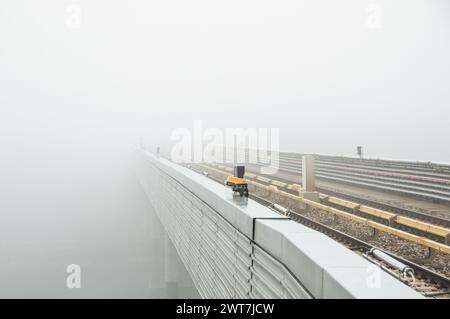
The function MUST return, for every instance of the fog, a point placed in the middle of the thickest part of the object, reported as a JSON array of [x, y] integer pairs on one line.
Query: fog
[[83, 82]]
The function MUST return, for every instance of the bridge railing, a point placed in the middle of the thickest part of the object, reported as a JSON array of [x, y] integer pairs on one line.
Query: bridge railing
[[234, 248]]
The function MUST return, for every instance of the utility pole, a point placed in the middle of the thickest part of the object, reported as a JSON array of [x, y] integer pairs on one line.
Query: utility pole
[[359, 152], [309, 179]]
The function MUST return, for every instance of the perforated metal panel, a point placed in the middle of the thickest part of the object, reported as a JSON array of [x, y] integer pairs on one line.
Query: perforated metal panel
[[270, 279]]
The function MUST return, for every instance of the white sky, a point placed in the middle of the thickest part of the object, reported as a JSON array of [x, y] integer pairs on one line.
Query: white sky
[[314, 69]]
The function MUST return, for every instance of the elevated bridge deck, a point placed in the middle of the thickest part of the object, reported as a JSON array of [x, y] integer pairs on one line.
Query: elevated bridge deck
[[237, 248]]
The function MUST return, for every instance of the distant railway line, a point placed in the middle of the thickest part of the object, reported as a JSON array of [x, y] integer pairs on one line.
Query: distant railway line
[[425, 180]]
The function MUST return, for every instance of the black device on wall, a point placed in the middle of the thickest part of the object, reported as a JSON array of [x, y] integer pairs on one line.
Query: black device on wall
[[239, 171]]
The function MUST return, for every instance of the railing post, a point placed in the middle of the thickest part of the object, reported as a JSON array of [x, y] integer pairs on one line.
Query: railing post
[[308, 190]]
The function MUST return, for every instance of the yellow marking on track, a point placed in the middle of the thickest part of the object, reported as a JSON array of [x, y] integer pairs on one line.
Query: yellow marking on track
[[294, 187], [278, 183], [432, 229], [263, 179], [376, 212]]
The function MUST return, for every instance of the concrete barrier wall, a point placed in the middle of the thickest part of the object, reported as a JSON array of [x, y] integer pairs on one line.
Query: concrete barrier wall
[[236, 249]]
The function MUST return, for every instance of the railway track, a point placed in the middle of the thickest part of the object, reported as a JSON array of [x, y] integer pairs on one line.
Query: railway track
[[390, 208], [436, 233], [422, 180], [425, 217], [429, 283]]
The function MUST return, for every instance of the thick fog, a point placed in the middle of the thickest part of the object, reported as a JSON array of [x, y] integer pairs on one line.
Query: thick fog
[[84, 82]]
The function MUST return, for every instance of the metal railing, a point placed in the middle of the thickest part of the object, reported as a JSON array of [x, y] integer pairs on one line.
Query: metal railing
[[426, 180]]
